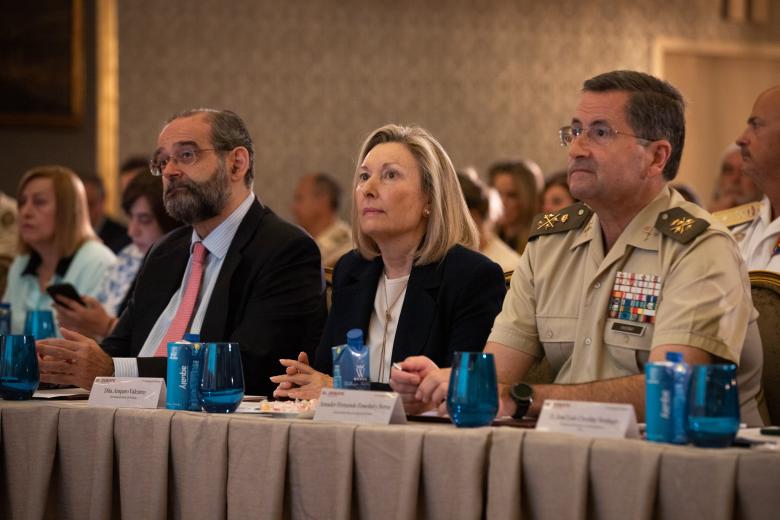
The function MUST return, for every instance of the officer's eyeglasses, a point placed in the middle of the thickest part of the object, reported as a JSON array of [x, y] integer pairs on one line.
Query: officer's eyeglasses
[[599, 134]]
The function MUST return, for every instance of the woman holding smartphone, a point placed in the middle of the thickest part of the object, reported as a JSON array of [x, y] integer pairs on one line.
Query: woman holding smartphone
[[56, 242]]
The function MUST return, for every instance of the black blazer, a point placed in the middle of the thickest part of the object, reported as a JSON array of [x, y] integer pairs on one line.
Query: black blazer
[[449, 306], [268, 297]]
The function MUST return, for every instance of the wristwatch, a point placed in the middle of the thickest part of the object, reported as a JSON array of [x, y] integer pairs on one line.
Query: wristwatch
[[523, 395]]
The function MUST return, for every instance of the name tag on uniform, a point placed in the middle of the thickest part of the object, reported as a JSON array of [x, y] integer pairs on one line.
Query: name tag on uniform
[[628, 328]]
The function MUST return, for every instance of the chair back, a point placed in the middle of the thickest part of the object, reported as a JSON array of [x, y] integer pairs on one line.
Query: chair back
[[328, 275], [508, 278], [765, 288]]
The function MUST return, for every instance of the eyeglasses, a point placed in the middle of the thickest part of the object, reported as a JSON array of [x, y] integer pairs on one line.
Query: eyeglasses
[[186, 155], [599, 134]]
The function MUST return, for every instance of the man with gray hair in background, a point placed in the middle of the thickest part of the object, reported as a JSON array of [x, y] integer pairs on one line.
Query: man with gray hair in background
[[315, 207], [734, 187]]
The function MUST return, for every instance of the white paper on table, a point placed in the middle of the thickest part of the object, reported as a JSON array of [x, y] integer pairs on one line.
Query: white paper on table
[[59, 393], [754, 435]]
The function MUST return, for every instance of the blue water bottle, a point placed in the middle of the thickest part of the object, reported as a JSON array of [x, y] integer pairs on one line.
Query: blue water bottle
[[196, 359], [681, 378]]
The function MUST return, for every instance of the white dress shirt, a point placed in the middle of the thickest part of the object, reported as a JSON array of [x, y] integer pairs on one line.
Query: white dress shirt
[[758, 240]]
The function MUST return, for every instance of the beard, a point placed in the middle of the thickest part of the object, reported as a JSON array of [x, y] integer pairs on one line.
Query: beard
[[191, 202]]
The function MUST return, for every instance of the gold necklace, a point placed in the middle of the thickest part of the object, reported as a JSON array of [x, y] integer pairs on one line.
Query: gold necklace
[[388, 317]]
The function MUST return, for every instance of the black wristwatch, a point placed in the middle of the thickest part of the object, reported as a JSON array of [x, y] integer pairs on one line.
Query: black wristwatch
[[523, 395]]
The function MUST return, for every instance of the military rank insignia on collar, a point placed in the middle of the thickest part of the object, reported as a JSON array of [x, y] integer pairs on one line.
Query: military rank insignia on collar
[[738, 215], [571, 217], [679, 225]]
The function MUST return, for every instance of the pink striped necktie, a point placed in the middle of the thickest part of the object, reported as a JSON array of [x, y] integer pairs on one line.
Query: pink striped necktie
[[183, 314]]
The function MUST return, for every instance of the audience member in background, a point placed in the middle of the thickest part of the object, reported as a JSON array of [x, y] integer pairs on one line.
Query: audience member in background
[[142, 201], [734, 188], [8, 226], [687, 193], [756, 226], [478, 203], [569, 300], [414, 285], [9, 231], [56, 242], [130, 168], [111, 232], [519, 184], [556, 195], [236, 273], [316, 207]]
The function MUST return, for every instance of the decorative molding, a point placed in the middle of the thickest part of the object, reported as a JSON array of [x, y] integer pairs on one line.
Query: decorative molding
[[662, 46], [107, 99]]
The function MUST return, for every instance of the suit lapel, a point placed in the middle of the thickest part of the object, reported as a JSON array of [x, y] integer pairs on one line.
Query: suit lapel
[[215, 321], [418, 312], [357, 296]]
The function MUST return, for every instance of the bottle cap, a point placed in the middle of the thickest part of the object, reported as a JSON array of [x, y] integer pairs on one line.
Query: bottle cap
[[355, 338], [192, 337], [675, 357]]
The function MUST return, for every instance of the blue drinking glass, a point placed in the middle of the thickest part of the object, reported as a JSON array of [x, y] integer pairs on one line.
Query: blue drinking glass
[[19, 376], [713, 405], [39, 323], [221, 386], [472, 397]]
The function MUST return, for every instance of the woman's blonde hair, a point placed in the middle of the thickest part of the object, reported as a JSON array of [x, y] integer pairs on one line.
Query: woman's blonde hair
[[71, 216], [449, 222]]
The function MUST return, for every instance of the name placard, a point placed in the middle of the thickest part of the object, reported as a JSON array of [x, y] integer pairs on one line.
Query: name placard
[[615, 421], [361, 406], [128, 392]]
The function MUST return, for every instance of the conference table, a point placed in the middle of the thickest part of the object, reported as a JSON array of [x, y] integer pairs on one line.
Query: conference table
[[69, 460]]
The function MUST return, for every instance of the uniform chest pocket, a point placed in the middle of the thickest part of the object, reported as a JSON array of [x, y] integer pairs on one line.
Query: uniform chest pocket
[[557, 335], [628, 343]]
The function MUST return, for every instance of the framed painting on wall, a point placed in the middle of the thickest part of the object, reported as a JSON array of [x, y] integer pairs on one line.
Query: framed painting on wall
[[42, 63]]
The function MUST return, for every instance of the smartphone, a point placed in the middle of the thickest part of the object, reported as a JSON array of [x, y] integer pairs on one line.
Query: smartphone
[[770, 430], [64, 289]]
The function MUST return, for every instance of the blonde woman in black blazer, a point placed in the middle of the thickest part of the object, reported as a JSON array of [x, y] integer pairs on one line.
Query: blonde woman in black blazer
[[413, 233]]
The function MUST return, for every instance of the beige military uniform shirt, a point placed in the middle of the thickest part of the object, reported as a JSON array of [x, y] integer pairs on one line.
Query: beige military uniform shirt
[[757, 235], [597, 314], [8, 226], [334, 242]]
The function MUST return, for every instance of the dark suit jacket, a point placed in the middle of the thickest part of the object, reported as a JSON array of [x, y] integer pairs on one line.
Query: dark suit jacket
[[449, 306], [267, 297], [114, 235]]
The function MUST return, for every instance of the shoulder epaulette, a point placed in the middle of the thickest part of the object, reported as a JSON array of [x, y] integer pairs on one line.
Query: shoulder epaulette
[[679, 225], [738, 215], [571, 217]]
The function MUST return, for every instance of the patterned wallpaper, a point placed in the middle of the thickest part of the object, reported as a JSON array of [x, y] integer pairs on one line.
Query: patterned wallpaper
[[491, 79]]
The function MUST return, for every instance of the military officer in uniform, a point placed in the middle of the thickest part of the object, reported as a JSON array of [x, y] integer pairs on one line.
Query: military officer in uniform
[[756, 226], [629, 274]]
